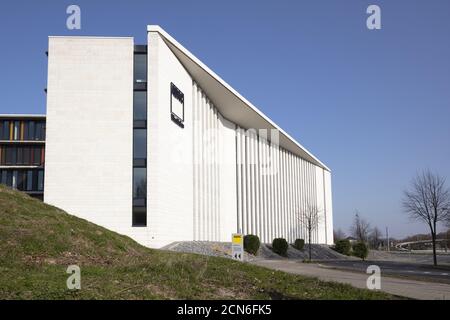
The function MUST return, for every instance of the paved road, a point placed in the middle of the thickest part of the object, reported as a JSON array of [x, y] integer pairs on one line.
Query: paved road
[[408, 270], [401, 287], [409, 257]]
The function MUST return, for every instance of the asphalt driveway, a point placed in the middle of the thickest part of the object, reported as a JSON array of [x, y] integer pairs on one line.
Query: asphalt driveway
[[406, 287], [391, 268]]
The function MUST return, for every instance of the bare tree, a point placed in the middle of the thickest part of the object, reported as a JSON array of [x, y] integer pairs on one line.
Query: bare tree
[[310, 218], [338, 234], [360, 228], [428, 200], [375, 237]]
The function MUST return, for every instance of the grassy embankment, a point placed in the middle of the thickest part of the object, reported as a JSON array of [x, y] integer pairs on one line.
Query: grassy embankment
[[38, 242]]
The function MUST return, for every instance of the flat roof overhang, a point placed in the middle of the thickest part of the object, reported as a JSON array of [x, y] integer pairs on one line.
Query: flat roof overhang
[[228, 101]]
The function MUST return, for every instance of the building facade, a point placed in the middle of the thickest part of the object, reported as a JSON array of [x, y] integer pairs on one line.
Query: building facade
[[149, 142], [22, 153]]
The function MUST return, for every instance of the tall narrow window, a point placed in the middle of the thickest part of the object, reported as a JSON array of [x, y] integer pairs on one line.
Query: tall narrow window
[[31, 129], [140, 106], [139, 218], [40, 184], [140, 144], [29, 180], [140, 67], [3, 177]]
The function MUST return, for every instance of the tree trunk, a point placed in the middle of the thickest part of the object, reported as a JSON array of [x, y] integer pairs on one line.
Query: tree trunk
[[309, 236], [433, 239]]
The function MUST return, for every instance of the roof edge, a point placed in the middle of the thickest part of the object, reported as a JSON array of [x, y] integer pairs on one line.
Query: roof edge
[[168, 37]]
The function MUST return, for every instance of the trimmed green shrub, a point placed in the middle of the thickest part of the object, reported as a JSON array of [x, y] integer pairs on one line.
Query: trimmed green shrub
[[251, 243], [280, 246], [343, 246], [299, 244], [360, 250]]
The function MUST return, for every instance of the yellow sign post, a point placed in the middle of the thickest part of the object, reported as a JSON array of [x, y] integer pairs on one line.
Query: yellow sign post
[[237, 246]]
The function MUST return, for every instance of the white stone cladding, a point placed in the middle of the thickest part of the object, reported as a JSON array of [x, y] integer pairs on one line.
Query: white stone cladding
[[88, 162], [205, 181]]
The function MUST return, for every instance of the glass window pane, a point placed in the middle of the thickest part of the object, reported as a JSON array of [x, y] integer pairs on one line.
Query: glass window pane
[[139, 216], [9, 178], [40, 180], [29, 180], [31, 130], [140, 105], [36, 156], [140, 183], [13, 151], [5, 131], [16, 130], [26, 156], [21, 180], [140, 68], [25, 130], [14, 179], [140, 143], [3, 176], [20, 155]]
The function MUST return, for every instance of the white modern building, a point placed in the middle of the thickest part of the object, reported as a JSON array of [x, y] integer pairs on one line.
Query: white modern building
[[147, 141]]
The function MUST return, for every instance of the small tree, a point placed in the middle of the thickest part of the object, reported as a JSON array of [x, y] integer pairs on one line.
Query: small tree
[[338, 235], [375, 237], [360, 250], [343, 246], [310, 218], [360, 228], [428, 200]]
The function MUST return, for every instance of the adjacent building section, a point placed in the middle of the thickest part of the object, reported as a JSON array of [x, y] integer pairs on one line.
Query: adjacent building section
[[22, 153], [89, 159], [149, 142]]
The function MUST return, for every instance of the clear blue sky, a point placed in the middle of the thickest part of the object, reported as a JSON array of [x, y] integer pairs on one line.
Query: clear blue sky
[[373, 105]]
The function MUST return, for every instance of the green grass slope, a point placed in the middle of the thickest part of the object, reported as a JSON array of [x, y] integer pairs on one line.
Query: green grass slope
[[38, 242]]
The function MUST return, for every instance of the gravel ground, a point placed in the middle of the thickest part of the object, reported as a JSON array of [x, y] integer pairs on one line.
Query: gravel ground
[[223, 249]]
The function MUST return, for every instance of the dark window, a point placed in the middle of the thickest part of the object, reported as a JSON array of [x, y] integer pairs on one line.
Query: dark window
[[140, 144], [3, 176], [35, 180], [36, 156], [4, 134], [139, 216], [140, 138], [140, 105], [26, 156], [25, 130], [40, 131], [140, 68], [40, 184], [9, 178], [139, 183], [20, 159], [31, 130], [21, 183], [29, 180]]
